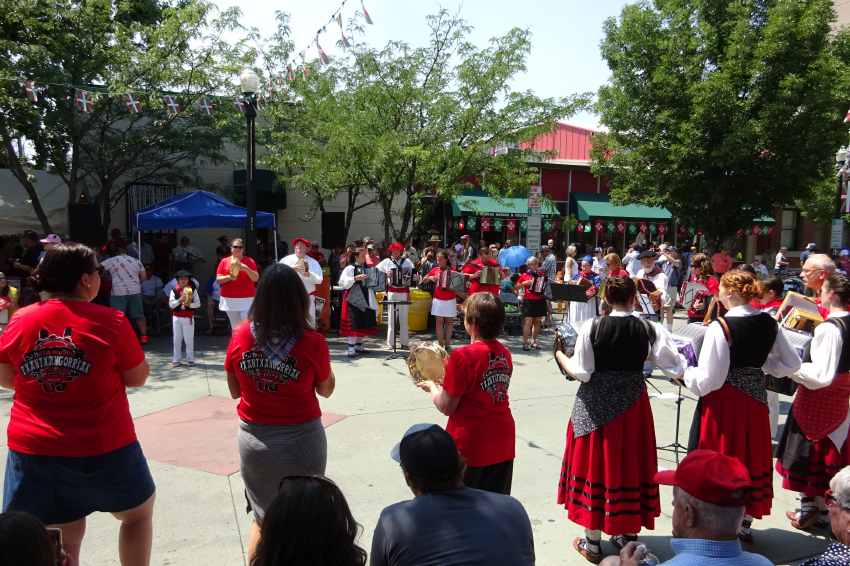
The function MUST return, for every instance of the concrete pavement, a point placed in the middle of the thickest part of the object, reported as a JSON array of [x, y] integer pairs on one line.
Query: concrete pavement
[[187, 425]]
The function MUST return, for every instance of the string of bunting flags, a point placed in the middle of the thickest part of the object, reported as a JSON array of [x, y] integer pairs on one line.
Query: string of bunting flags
[[84, 98]]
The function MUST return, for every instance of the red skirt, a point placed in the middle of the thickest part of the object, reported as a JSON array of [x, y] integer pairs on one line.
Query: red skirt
[[608, 476], [733, 423], [807, 466], [345, 326]]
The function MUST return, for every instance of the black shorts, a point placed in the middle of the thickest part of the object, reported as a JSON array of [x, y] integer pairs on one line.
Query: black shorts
[[533, 309], [496, 477]]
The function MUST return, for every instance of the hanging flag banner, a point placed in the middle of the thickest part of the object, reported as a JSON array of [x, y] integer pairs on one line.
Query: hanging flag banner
[[598, 226], [84, 100], [653, 228], [205, 106], [31, 91], [610, 227], [642, 227], [171, 105], [485, 224], [497, 224], [366, 13], [133, 104], [323, 57], [511, 225], [632, 229], [621, 226], [662, 229], [756, 230], [472, 223], [579, 227], [345, 42]]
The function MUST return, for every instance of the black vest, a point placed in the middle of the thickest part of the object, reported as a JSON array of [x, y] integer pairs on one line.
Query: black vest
[[843, 324], [620, 343], [751, 339]]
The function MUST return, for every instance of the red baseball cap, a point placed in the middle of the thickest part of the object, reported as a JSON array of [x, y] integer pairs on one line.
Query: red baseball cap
[[396, 247], [711, 477], [304, 241]]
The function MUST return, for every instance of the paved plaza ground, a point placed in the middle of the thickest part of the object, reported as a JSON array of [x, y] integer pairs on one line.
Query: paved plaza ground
[[187, 426]]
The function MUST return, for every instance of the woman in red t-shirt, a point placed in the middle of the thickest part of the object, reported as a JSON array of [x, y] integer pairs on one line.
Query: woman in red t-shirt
[[474, 395], [473, 269], [72, 444], [237, 275], [533, 304], [444, 303], [701, 272], [275, 366], [614, 266]]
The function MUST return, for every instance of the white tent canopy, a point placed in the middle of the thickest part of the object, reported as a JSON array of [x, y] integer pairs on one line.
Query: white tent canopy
[[16, 210]]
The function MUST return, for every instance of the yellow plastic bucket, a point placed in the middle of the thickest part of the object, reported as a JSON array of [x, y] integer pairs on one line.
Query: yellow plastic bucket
[[417, 316], [379, 296]]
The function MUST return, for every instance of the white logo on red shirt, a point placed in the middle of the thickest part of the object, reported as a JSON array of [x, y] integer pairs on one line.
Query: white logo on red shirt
[[267, 373], [497, 377], [55, 361]]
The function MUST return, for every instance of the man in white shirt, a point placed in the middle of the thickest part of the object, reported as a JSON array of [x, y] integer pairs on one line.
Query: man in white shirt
[[781, 262], [309, 270], [761, 268], [185, 255], [399, 272], [632, 261], [127, 274], [650, 271]]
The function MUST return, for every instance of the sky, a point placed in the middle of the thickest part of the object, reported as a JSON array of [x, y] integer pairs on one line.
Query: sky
[[564, 57]]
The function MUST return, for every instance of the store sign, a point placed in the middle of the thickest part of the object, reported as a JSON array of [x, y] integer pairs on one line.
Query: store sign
[[534, 233], [534, 194]]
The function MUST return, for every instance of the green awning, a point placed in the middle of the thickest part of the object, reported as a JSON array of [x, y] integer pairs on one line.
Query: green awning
[[490, 206], [596, 205]]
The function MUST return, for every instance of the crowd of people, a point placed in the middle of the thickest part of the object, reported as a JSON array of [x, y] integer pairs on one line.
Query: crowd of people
[[70, 362]]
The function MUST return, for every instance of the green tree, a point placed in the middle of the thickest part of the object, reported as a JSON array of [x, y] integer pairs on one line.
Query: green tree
[[148, 48], [721, 110], [395, 126]]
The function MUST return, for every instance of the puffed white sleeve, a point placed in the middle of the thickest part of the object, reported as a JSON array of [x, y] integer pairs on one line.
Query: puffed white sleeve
[[826, 348], [665, 355], [173, 300], [782, 360], [384, 265], [196, 300], [346, 278], [713, 366], [583, 363], [314, 272]]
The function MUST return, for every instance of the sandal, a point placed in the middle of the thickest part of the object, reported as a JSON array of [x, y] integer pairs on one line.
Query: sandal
[[582, 546], [745, 533], [803, 519], [525, 347], [619, 541]]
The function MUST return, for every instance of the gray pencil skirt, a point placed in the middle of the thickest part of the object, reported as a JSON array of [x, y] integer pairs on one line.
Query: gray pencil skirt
[[269, 452]]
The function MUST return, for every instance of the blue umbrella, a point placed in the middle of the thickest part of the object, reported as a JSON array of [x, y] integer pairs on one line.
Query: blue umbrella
[[514, 256]]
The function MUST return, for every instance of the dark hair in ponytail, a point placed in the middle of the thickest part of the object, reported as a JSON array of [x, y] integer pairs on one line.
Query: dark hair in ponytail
[[840, 285]]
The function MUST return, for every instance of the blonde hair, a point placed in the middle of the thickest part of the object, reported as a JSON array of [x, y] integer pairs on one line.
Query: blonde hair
[[614, 259], [741, 283]]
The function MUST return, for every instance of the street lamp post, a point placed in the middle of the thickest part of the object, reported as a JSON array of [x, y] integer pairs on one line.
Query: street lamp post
[[250, 84]]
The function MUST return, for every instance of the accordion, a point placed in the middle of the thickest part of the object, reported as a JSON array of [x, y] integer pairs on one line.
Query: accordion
[[400, 277], [490, 275], [451, 280], [375, 279], [538, 284]]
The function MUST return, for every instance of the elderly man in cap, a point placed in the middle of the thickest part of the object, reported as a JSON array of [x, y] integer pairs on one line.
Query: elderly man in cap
[[446, 523], [308, 269], [710, 492], [48, 242], [399, 272]]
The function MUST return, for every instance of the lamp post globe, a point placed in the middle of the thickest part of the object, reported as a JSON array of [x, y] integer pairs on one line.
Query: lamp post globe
[[249, 83]]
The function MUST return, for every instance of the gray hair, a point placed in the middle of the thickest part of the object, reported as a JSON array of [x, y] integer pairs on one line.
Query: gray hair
[[714, 518], [571, 250], [840, 486], [822, 261], [530, 260]]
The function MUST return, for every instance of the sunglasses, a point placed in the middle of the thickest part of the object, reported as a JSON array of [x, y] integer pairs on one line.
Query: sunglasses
[[237, 247]]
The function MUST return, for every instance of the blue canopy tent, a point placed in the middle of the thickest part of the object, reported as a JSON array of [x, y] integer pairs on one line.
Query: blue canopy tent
[[198, 209]]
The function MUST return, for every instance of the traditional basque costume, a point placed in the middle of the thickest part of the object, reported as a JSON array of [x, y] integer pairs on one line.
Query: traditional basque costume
[[399, 274], [732, 413], [579, 312], [607, 479], [814, 445], [476, 265], [359, 307]]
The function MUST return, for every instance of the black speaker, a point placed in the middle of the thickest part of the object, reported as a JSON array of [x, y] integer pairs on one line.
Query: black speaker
[[333, 230], [271, 195], [85, 225]]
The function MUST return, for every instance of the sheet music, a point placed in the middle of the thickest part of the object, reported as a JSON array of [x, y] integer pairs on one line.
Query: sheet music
[[798, 340]]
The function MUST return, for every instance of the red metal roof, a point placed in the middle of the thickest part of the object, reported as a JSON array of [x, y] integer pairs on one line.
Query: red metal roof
[[568, 142]]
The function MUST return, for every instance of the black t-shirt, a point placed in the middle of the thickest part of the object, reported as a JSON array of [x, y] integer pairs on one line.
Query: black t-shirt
[[31, 255], [461, 526]]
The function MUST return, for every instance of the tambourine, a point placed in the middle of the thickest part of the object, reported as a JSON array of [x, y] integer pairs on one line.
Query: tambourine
[[235, 267], [565, 341], [427, 362]]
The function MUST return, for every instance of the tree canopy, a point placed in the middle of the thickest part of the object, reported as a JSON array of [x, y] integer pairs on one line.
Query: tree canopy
[[147, 48], [721, 111], [395, 126]]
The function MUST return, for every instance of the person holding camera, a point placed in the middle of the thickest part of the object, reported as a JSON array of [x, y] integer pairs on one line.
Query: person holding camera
[[608, 473]]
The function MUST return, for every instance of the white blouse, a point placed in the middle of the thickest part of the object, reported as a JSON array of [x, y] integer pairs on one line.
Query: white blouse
[[826, 348], [346, 281], [662, 353], [713, 367]]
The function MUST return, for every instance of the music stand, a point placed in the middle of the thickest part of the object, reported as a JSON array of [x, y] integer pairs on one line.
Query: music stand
[[676, 446], [569, 292], [395, 355]]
